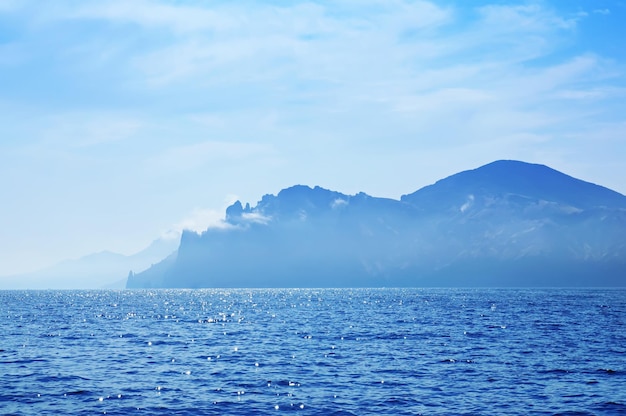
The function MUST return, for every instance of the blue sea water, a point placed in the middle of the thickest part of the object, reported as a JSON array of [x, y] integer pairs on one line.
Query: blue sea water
[[314, 351]]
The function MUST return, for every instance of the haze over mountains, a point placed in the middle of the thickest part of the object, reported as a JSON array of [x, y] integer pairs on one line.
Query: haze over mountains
[[95, 271], [507, 223]]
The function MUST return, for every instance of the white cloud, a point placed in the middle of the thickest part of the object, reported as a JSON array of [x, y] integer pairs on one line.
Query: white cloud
[[592, 93], [374, 95], [243, 42], [193, 156], [468, 204], [342, 73], [551, 78], [521, 19], [200, 220], [181, 19], [338, 203], [86, 129], [602, 11], [256, 217], [442, 100]]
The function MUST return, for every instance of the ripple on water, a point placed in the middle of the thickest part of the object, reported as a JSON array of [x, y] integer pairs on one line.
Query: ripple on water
[[352, 351]]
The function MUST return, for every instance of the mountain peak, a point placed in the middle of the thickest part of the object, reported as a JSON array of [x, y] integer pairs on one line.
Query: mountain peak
[[511, 177], [295, 199], [505, 223]]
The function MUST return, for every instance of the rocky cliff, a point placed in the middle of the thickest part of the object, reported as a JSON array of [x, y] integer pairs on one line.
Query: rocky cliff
[[507, 223]]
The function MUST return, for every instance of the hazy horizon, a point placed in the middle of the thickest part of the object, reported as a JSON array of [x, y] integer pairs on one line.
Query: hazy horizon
[[122, 122]]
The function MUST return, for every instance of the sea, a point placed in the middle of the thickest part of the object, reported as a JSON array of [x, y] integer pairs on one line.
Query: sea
[[314, 352]]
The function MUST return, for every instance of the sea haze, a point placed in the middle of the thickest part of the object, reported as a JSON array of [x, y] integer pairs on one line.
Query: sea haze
[[314, 351], [507, 223]]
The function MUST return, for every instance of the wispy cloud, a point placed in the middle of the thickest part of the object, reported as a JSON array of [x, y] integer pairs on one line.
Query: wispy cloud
[[602, 11], [330, 74], [521, 19], [194, 156], [256, 217], [181, 19], [245, 41], [84, 129], [204, 98], [199, 220]]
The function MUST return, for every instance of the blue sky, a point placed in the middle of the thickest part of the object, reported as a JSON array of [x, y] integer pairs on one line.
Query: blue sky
[[121, 121]]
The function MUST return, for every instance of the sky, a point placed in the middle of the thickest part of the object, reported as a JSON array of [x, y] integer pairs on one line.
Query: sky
[[124, 121]]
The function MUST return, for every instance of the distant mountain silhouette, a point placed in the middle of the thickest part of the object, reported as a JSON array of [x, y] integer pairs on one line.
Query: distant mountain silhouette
[[94, 271], [507, 223], [509, 177]]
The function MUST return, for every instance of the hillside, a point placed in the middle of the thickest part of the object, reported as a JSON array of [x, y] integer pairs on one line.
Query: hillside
[[507, 223]]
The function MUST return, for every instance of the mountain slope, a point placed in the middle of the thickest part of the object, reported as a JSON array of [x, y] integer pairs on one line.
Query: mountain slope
[[94, 271], [513, 178], [505, 223]]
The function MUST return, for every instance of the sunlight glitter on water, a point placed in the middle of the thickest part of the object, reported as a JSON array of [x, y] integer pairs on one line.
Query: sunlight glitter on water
[[332, 351]]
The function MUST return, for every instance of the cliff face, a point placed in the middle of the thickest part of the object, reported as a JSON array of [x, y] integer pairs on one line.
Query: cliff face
[[504, 224]]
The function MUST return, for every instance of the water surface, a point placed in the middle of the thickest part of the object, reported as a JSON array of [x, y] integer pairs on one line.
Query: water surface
[[314, 351]]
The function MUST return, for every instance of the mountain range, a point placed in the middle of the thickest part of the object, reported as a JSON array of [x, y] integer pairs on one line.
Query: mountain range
[[508, 223], [103, 270]]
